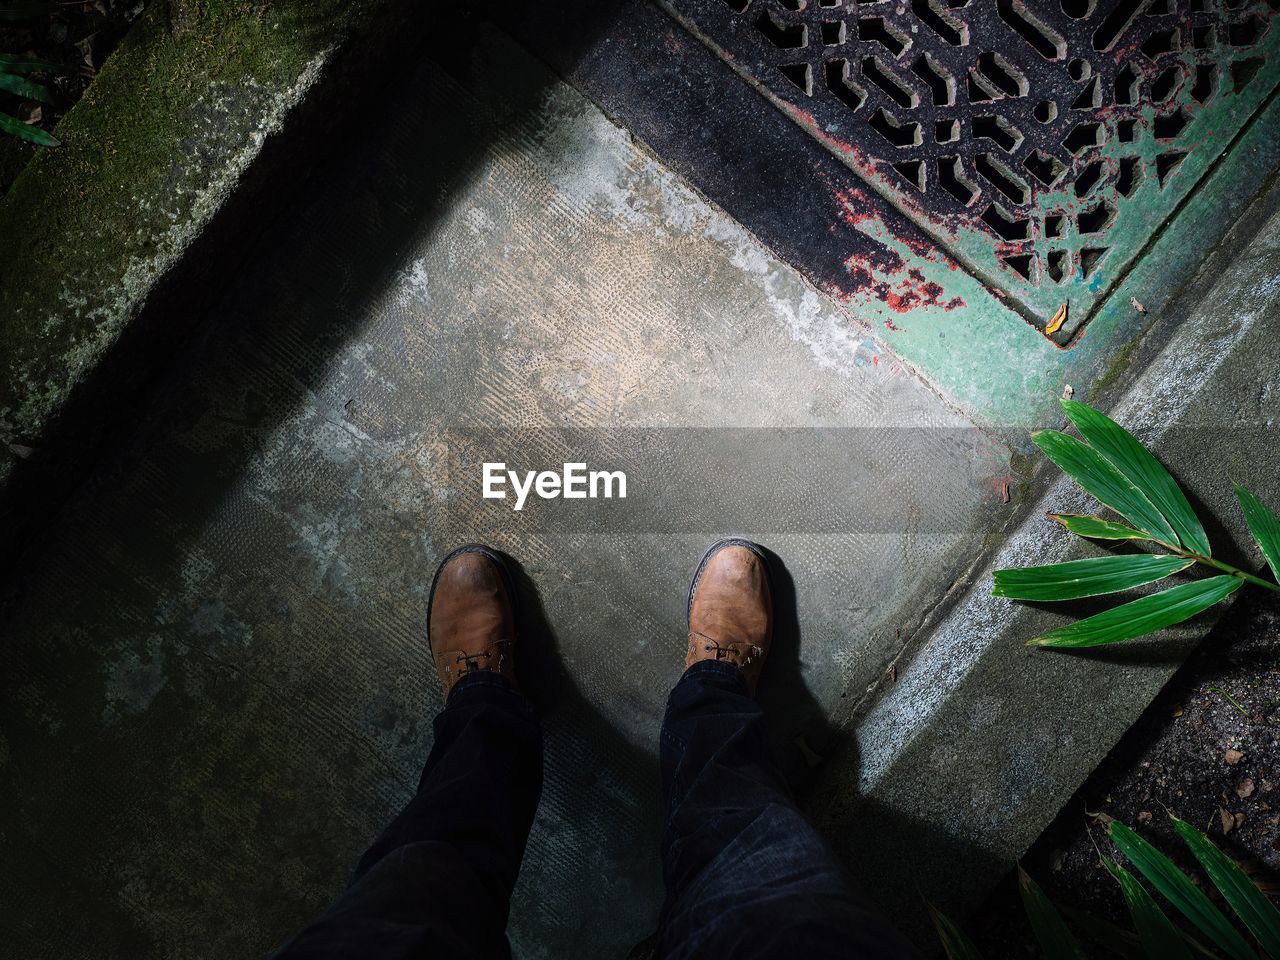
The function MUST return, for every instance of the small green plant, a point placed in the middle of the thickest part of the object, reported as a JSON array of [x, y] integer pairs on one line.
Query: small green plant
[[1120, 473], [13, 75], [1156, 936]]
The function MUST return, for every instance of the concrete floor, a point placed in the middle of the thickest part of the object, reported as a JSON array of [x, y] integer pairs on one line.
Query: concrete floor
[[220, 688]]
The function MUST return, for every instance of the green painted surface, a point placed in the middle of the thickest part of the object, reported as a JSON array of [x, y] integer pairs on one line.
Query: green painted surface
[[1005, 371]]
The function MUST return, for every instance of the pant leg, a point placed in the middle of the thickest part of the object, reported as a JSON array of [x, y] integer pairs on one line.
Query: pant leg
[[437, 883], [746, 875]]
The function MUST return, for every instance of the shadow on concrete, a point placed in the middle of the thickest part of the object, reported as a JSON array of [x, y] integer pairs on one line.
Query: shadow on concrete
[[103, 409], [541, 671], [229, 783], [869, 837], [216, 788], [624, 911], [803, 735]]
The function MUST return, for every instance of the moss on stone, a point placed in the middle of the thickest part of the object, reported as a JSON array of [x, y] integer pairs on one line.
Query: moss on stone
[[149, 153], [15, 154]]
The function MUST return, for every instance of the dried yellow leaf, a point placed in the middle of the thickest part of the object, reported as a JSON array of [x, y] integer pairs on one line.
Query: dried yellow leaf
[[1058, 320]]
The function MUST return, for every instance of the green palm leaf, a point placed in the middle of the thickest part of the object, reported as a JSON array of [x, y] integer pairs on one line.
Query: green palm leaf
[[1177, 888], [1096, 528], [1258, 913], [1264, 526], [1142, 469], [1115, 939], [1104, 482], [12, 63], [24, 88], [1160, 938], [1050, 929], [1085, 578], [25, 9], [25, 131], [955, 944], [1141, 616]]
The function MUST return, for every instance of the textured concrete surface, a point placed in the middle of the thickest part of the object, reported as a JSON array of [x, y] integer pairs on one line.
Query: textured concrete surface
[[90, 228], [191, 139], [962, 763], [218, 689]]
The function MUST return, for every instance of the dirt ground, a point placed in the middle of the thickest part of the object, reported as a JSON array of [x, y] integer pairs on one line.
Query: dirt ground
[[1207, 750]]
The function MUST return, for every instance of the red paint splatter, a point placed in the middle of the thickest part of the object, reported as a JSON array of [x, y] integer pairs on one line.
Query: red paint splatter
[[911, 291], [879, 271], [858, 211], [880, 259]]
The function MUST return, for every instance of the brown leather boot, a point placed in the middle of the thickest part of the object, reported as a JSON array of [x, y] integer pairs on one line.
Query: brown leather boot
[[731, 609], [471, 616]]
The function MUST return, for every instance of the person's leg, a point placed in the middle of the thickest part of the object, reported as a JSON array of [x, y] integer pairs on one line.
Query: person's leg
[[746, 875], [438, 881]]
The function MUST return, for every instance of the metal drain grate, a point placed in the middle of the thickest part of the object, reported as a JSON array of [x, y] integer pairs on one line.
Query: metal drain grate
[[1040, 143]]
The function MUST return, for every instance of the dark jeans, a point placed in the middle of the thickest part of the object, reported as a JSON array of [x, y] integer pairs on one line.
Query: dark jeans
[[746, 875]]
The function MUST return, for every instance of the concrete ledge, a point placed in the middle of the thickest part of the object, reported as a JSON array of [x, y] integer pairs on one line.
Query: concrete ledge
[[962, 762], [189, 141]]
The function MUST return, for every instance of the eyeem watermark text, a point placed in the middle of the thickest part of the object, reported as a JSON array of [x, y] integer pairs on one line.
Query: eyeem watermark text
[[574, 482]]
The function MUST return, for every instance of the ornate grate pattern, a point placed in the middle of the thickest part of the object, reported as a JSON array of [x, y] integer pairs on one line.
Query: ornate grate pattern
[[1040, 141]]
